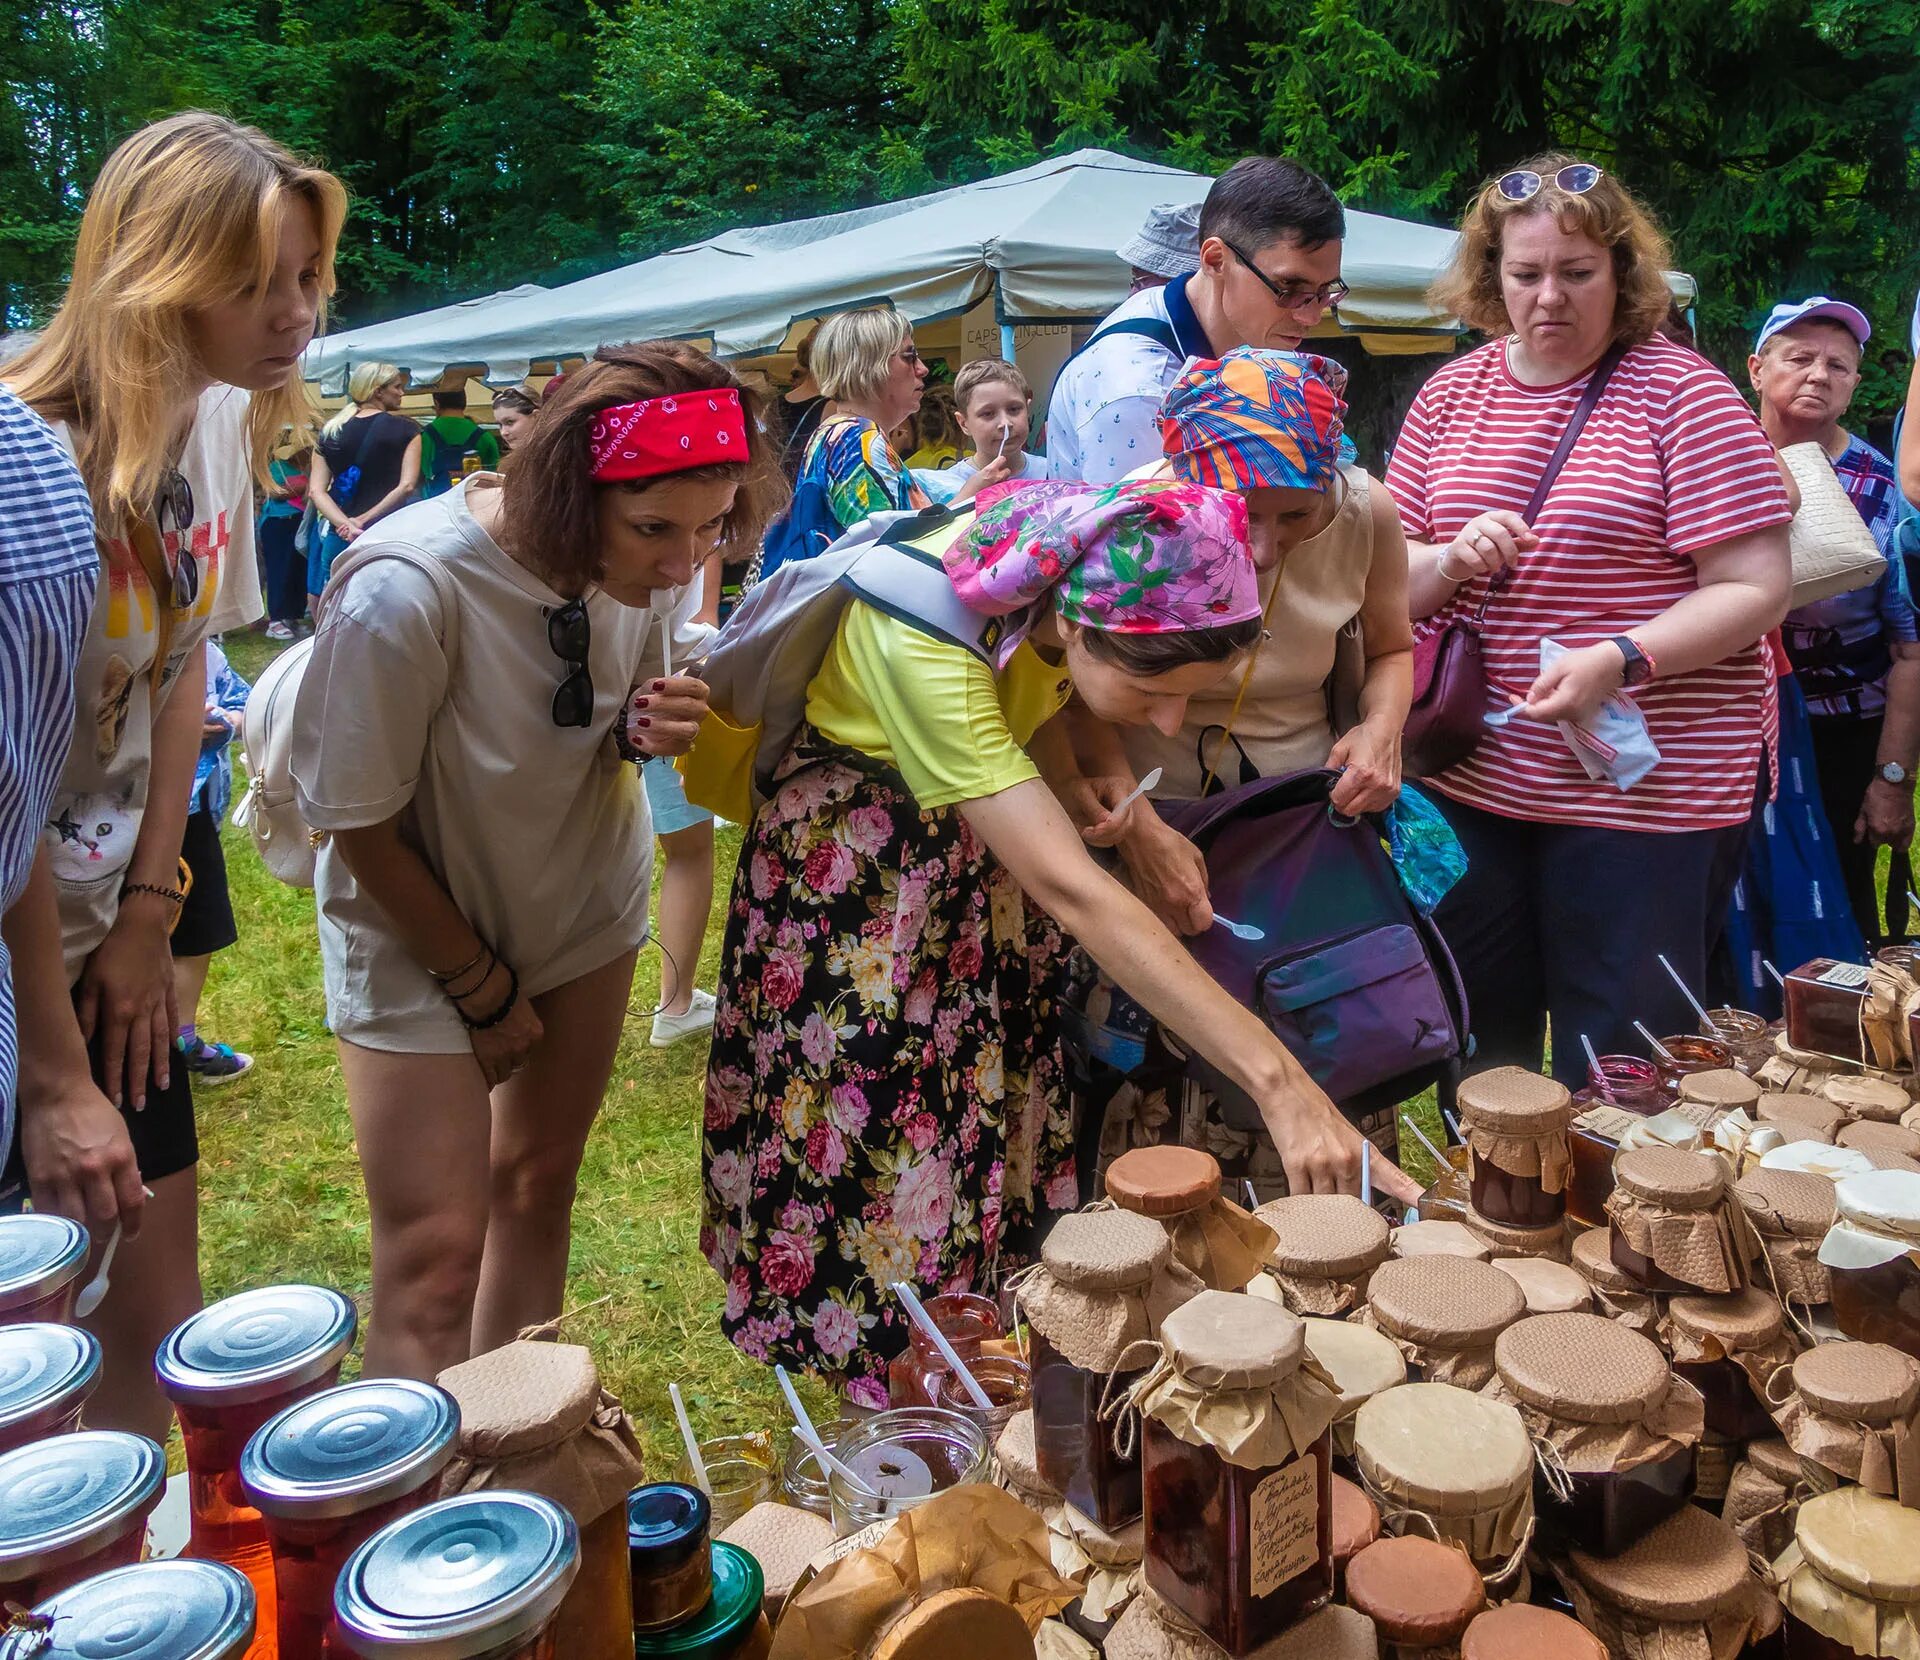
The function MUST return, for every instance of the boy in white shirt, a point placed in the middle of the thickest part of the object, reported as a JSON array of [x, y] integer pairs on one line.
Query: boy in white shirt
[[994, 406]]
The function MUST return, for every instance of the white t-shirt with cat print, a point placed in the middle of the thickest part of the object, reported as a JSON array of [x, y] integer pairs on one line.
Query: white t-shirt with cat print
[[102, 795]]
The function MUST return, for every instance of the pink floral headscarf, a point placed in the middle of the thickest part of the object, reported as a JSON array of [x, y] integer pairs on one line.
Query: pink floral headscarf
[[1150, 557]]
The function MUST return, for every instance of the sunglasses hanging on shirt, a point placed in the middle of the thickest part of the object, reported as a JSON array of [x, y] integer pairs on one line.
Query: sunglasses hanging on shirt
[[570, 634]]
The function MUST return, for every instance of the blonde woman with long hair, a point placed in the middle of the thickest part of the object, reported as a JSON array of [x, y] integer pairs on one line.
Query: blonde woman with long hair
[[366, 464], [202, 267]]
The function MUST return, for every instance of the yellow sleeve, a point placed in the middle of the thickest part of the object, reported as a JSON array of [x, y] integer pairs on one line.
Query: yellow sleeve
[[932, 710]]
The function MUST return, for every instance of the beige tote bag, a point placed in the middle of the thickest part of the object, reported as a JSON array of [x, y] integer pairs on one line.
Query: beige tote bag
[[1833, 550]]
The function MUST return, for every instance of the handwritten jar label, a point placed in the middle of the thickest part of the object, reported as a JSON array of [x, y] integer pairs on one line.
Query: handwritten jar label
[[1283, 1525]]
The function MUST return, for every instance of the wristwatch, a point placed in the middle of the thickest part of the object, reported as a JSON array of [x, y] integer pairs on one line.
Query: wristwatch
[[1893, 773], [1639, 664]]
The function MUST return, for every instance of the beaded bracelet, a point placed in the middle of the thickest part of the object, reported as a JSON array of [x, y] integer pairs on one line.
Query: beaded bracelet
[[499, 1014], [173, 896]]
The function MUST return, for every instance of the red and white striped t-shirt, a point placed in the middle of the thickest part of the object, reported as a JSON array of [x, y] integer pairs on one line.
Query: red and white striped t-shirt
[[1671, 461]]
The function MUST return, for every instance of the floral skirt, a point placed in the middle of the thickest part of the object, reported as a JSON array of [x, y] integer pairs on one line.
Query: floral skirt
[[884, 1098]]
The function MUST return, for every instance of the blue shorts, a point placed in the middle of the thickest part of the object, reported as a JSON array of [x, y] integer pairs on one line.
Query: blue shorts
[[667, 799]]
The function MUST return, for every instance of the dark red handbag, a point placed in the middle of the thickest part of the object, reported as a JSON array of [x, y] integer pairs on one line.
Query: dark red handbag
[[1448, 717]]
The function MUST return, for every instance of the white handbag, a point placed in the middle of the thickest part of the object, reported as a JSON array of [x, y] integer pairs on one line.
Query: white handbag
[[1833, 550]]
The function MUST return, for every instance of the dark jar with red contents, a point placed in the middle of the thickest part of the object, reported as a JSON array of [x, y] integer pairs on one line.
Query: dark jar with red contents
[[1824, 999], [73, 1507], [480, 1576], [1516, 1125], [329, 1473], [228, 1370], [1675, 1226], [42, 1257], [1709, 1337], [1620, 1091], [181, 1610], [965, 1320], [1237, 1461], [46, 1374], [1872, 1254]]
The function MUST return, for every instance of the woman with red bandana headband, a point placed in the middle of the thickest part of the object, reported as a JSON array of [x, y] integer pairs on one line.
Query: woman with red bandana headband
[[484, 662]]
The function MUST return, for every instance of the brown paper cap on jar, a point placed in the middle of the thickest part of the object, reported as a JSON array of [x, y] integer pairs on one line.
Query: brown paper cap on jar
[[1549, 1287], [1355, 1519], [1360, 1361], [963, 1621], [1690, 1567], [1775, 1460], [1106, 1250], [1416, 1591], [1722, 1087], [1671, 1177], [1800, 1112], [1328, 1236], [1149, 1630], [1106, 1550], [1881, 1159], [1786, 1204], [1863, 1543], [1444, 1450], [1858, 1097], [1503, 1241], [1872, 1137], [1018, 1457], [1163, 1181], [1748, 1319], [1593, 1261], [1438, 1239], [1509, 1100], [1861, 1383], [1582, 1367], [1451, 1302], [783, 1539], [1519, 1631], [1228, 1340]]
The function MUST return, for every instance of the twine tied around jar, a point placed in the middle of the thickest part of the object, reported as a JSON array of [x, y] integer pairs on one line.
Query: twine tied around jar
[[1123, 1408], [1893, 997], [1399, 1518]]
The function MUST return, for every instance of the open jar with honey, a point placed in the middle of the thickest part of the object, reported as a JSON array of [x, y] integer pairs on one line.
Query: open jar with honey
[[1675, 1225], [73, 1507], [1006, 1382], [42, 1257], [1236, 1464], [46, 1374], [1684, 1056], [479, 1574], [1516, 1125], [965, 1320], [227, 1370], [1872, 1251], [181, 1610], [1852, 1576], [904, 1457], [1179, 1187], [331, 1471], [1748, 1035]]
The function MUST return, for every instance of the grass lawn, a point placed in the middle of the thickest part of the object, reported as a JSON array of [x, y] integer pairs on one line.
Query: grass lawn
[[281, 1190]]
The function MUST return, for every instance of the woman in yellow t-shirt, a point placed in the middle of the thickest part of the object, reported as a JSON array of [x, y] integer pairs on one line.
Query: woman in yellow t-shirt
[[883, 1098]]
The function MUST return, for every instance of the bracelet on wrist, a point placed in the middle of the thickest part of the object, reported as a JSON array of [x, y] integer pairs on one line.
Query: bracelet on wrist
[[464, 969], [173, 896], [480, 980], [488, 1022], [1445, 575]]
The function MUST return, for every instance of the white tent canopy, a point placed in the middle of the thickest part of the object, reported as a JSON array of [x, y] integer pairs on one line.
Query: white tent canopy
[[1041, 240]]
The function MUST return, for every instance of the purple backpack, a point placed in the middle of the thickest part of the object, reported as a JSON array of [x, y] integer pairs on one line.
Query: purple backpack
[[1356, 983]]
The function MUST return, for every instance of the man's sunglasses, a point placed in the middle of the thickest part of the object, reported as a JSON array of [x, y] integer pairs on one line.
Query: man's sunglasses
[[1293, 296], [570, 634], [1524, 184]]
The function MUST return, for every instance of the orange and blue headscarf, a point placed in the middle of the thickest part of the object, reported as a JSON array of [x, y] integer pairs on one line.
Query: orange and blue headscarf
[[1254, 418]]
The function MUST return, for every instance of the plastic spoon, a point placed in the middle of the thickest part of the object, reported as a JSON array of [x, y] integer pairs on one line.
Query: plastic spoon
[[938, 1339], [1136, 792], [1654, 1043], [1239, 930], [1253, 1199], [1440, 1159], [803, 1427], [1779, 979], [1698, 1007], [1366, 1172], [1006, 432], [94, 1292], [1453, 1127], [1593, 1061], [695, 1462]]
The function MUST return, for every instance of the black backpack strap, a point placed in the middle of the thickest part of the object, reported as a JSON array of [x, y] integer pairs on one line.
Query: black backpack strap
[[1156, 329]]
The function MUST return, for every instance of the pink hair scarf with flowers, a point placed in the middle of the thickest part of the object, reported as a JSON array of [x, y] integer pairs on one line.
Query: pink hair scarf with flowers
[[658, 436], [1148, 557]]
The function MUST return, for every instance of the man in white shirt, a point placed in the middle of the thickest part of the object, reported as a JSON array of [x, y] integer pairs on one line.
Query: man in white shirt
[[1270, 241]]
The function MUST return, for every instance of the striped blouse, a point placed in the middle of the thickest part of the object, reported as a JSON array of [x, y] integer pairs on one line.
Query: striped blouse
[[1670, 462]]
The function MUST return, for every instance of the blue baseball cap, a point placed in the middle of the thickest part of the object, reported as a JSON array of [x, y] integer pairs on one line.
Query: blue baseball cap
[[1818, 309]]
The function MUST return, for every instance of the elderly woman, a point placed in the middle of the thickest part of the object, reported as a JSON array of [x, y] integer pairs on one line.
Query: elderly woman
[[1658, 561], [884, 1098]]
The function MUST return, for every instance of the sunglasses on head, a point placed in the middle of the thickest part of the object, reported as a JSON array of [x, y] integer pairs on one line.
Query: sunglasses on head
[[1522, 185], [570, 634]]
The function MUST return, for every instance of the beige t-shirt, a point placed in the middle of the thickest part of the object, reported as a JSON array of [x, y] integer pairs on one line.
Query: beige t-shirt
[[540, 833], [102, 797]]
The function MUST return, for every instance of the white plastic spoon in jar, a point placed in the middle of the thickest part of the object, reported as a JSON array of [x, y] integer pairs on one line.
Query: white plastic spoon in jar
[[1686, 991], [934, 1335], [695, 1462], [1654, 1043], [803, 1427]]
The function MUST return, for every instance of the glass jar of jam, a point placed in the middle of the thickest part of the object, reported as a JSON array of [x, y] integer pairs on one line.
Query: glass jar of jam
[[1790, 1211], [1180, 1188], [1747, 1035], [729, 1626], [1447, 1195], [1824, 1001], [46, 1374], [1689, 1579], [1865, 1095], [479, 1574], [1800, 1117], [329, 1473], [1361, 1362], [1325, 1249], [73, 1507], [1516, 1125], [151, 1611], [42, 1257], [1853, 1568], [1008, 1386], [1623, 1428], [1615, 1295], [965, 1320], [1105, 1281], [1727, 1348], [740, 1474], [1675, 1225], [803, 1479], [1236, 1460], [672, 1563], [904, 1457], [1624, 1081], [1520, 1631], [1872, 1252], [1598, 1128], [1420, 1594], [1850, 1411], [1685, 1055], [1443, 1313], [1873, 1137], [227, 1370], [1356, 1524]]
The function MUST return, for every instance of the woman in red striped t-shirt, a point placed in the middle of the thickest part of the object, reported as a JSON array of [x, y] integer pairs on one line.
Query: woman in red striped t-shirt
[[1659, 558]]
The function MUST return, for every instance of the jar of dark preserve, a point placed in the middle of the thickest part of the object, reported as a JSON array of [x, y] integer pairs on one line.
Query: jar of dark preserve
[[1728, 1348], [1824, 1003], [1872, 1252], [730, 1625], [227, 1370], [1420, 1594], [1851, 1411], [672, 1562], [46, 1374], [73, 1507], [1236, 1459], [1623, 1081], [1520, 1631], [1516, 1125], [1686, 1588], [1685, 1055], [1853, 1569], [965, 1320], [182, 1610], [1179, 1187], [1675, 1225], [478, 1576], [1865, 1095], [42, 1257], [327, 1474]]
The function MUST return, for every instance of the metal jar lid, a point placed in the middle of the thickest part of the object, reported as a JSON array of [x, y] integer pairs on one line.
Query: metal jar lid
[[459, 1578], [256, 1345], [184, 1610], [44, 1368], [65, 1498], [347, 1449], [39, 1253]]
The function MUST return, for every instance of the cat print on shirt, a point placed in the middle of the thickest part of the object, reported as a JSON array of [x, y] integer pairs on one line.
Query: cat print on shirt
[[93, 837]]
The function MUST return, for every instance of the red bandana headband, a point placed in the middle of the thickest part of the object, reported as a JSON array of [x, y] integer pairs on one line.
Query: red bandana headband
[[667, 435]]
